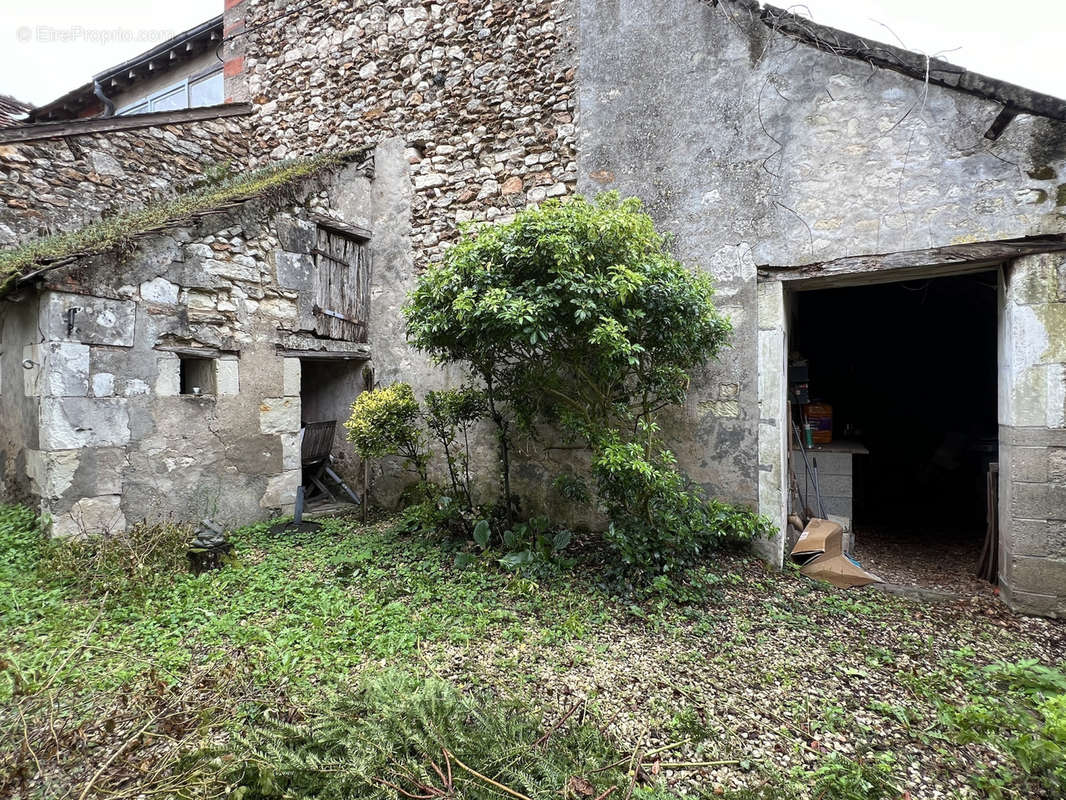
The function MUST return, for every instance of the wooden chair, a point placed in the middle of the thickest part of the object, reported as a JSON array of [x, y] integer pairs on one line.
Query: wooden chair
[[315, 458]]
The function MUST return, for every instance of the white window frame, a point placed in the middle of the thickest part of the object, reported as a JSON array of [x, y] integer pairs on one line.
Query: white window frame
[[182, 84]]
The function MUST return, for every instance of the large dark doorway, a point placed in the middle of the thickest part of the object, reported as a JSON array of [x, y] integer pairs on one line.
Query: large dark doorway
[[910, 372]]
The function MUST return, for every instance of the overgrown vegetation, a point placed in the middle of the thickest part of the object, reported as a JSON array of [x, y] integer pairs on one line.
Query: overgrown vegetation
[[275, 673], [117, 232], [576, 316], [397, 734]]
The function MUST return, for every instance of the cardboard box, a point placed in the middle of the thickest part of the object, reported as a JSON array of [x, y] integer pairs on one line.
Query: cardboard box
[[819, 537], [820, 549]]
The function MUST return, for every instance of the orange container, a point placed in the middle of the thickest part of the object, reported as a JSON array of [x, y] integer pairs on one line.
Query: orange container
[[820, 416]]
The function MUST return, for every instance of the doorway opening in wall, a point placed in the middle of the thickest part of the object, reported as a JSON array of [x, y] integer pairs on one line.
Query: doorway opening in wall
[[894, 388], [332, 471]]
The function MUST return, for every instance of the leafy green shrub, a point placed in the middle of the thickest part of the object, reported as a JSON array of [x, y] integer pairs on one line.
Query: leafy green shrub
[[125, 562], [660, 521], [384, 422], [575, 313], [449, 413], [399, 734]]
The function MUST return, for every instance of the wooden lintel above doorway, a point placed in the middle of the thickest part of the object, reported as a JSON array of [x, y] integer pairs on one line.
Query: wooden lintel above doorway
[[911, 264]]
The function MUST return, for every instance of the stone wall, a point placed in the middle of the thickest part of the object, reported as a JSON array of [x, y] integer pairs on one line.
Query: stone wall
[[121, 436], [1033, 435], [753, 149], [481, 94], [60, 184]]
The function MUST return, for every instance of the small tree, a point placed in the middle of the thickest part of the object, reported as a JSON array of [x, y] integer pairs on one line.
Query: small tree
[[384, 422], [577, 313], [450, 413]]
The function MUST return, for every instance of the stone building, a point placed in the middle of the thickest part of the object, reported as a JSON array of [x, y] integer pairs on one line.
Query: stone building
[[818, 177], [172, 382]]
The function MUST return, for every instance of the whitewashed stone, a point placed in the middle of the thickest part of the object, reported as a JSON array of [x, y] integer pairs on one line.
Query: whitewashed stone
[[279, 415], [91, 516], [281, 490], [159, 290], [291, 382], [227, 381], [103, 384], [71, 422]]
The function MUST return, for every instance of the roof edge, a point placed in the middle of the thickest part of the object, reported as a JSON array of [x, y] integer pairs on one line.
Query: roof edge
[[73, 127], [909, 63], [35, 257]]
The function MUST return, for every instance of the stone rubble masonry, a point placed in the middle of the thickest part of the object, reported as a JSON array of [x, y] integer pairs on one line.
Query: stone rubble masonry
[[116, 441], [60, 184], [481, 94]]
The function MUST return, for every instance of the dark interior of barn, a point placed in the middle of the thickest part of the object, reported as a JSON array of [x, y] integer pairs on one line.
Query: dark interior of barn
[[909, 371]]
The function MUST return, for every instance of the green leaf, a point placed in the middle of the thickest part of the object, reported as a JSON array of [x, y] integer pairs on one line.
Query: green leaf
[[464, 560], [516, 559], [562, 539], [482, 532]]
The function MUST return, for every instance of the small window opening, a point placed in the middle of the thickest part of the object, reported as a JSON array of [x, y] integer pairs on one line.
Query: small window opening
[[197, 375]]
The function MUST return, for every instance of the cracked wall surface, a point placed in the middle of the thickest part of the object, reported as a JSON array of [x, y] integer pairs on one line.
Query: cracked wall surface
[[108, 432], [751, 148]]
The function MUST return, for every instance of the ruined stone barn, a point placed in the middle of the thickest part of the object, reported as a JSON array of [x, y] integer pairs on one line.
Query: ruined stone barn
[[886, 231], [173, 380]]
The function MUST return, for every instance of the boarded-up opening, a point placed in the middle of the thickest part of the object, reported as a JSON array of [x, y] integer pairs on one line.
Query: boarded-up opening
[[909, 373], [341, 286]]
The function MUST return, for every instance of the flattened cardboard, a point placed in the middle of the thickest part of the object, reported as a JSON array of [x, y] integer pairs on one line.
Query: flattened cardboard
[[820, 549], [840, 570]]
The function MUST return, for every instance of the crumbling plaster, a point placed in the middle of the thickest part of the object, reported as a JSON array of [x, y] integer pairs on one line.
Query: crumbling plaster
[[118, 440]]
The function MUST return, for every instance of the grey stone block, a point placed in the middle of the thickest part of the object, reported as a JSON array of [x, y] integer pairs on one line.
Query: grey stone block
[[1041, 605], [1056, 465], [85, 319], [295, 270], [296, 235], [1037, 575], [66, 369], [831, 463], [1026, 537], [69, 423], [1029, 464], [91, 515], [836, 506], [1036, 501], [279, 415], [834, 485]]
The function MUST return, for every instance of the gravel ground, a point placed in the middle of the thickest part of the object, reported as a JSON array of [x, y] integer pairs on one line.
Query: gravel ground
[[942, 561], [778, 672]]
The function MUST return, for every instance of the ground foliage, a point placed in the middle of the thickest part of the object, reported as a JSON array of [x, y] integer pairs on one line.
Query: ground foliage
[[399, 733], [768, 686]]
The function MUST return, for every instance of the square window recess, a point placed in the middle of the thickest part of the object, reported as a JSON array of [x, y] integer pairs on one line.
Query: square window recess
[[197, 375]]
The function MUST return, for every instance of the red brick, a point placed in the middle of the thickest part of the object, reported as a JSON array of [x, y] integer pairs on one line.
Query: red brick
[[235, 66]]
